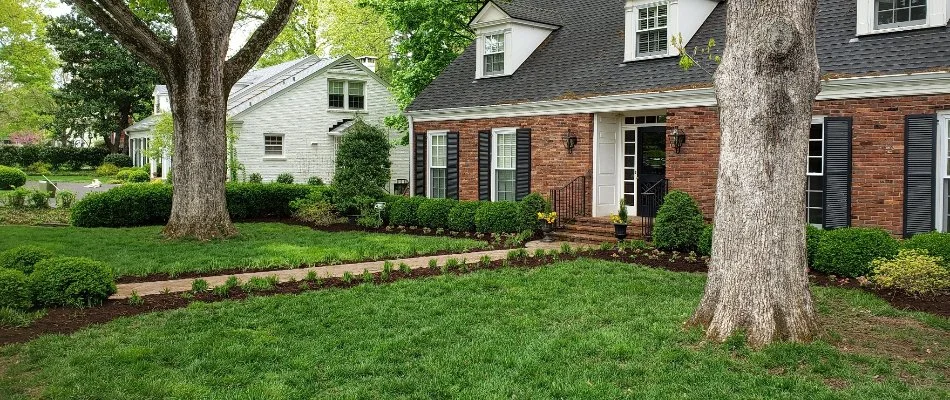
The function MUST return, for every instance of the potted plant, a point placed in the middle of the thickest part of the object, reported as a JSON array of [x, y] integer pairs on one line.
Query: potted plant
[[547, 225], [620, 222]]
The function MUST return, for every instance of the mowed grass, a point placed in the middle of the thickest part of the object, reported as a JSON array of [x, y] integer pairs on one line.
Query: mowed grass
[[143, 251], [584, 330]]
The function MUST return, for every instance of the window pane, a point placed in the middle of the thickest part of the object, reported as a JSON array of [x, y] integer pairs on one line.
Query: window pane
[[505, 185], [495, 43], [357, 102], [437, 182], [817, 131], [273, 145], [437, 147], [494, 64], [814, 148], [505, 151], [814, 165], [336, 87]]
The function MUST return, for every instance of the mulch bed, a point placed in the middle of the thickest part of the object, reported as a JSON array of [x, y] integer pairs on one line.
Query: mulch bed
[[69, 320]]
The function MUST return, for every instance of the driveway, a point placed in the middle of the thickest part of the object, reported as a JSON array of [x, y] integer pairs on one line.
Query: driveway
[[76, 188]]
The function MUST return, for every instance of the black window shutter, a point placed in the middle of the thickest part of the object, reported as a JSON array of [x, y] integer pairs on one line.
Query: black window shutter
[[452, 165], [420, 164], [920, 163], [523, 163], [837, 190], [484, 165]]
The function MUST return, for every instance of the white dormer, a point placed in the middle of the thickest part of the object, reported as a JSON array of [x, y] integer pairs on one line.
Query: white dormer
[[651, 24], [503, 42], [882, 16], [160, 100]]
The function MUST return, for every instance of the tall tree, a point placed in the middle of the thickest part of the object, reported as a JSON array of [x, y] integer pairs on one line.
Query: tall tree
[[199, 74], [108, 86], [26, 69], [766, 87]]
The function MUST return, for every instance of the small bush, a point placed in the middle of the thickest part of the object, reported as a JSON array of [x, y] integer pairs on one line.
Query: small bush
[[285, 178], [39, 199], [106, 170], [849, 251], [17, 198], [362, 161], [315, 181], [319, 213], [123, 174], [434, 213], [704, 245], [11, 178], [937, 244], [23, 258], [38, 168], [118, 160], [462, 216], [502, 217], [139, 176], [199, 286], [402, 212], [531, 205], [65, 199], [134, 204], [14, 290], [72, 281], [255, 178], [813, 237], [678, 224], [913, 271]]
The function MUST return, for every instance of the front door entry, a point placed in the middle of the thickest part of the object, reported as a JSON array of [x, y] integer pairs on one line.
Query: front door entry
[[651, 169]]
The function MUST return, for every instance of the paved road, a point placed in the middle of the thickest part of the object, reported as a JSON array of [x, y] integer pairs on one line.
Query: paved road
[[76, 188]]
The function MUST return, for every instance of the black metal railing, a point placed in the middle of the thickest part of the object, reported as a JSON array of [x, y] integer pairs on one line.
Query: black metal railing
[[570, 201], [649, 203]]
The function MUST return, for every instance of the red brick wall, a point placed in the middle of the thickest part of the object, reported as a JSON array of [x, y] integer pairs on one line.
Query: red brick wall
[[552, 166]]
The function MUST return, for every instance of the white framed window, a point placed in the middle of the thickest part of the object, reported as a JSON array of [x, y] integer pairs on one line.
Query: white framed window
[[943, 173], [815, 186], [356, 95], [437, 164], [899, 13], [346, 95], [273, 145], [504, 164], [652, 38], [494, 55]]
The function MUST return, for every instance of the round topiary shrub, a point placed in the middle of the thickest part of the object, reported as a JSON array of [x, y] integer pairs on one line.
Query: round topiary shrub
[[139, 176], [531, 205], [402, 212], [11, 178], [704, 244], [462, 216], [848, 252], [285, 178], [678, 223], [502, 217], [434, 213], [118, 159], [23, 258], [107, 169], [937, 244], [14, 290], [71, 281]]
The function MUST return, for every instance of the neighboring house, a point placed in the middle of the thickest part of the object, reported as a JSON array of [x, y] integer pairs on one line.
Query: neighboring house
[[289, 118], [496, 123]]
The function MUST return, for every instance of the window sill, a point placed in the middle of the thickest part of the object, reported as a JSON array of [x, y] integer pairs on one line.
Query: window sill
[[654, 57], [275, 158], [492, 76], [897, 29], [346, 111]]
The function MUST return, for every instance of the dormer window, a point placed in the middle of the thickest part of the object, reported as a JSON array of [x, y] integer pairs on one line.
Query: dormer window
[[494, 54], [504, 41], [899, 13], [651, 30], [882, 16]]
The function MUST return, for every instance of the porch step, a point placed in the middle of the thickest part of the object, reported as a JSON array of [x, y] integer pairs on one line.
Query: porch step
[[591, 230]]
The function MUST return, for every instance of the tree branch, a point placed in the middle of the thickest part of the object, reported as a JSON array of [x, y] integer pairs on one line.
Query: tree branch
[[183, 20], [114, 17], [240, 63]]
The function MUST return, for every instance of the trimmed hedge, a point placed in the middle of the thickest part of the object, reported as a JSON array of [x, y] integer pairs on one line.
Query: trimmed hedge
[[678, 224], [138, 176], [270, 200], [434, 213], [462, 216], [813, 237], [502, 217], [71, 281], [937, 244], [23, 258], [14, 290], [69, 158], [11, 177], [118, 159], [848, 252], [403, 211]]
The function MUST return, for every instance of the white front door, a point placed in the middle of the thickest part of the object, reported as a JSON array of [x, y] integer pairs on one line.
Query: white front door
[[943, 173], [606, 177]]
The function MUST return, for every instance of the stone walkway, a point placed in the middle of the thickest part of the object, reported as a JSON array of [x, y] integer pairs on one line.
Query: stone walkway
[[183, 285]]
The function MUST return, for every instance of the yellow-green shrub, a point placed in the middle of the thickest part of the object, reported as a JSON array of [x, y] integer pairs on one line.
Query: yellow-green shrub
[[913, 271]]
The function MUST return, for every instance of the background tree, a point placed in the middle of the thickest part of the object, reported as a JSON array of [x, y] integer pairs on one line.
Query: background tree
[[26, 69], [765, 87], [362, 162], [199, 73], [107, 87]]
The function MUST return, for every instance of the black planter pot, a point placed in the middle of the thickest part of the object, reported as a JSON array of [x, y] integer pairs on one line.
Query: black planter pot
[[546, 228], [620, 232]]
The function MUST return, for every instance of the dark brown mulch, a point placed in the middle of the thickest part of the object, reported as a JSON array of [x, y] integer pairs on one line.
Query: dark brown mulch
[[938, 304]]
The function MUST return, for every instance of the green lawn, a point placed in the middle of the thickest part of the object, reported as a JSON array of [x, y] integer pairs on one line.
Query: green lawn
[[142, 251], [85, 178], [585, 330]]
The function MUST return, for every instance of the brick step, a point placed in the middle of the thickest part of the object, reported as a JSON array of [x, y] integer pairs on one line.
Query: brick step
[[602, 221], [602, 230], [591, 238]]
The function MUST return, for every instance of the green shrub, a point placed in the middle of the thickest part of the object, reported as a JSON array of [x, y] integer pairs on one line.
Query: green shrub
[[362, 162], [285, 178], [403, 211], [61, 158], [38, 168], [813, 237], [11, 178], [39, 199], [106, 170], [315, 211], [678, 224], [462, 216], [72, 281], [123, 174], [913, 271], [135, 204], [849, 251], [251, 201], [502, 217], [139, 176], [255, 178], [937, 244], [23, 258], [434, 213], [315, 181], [17, 198], [531, 205], [118, 160], [65, 199], [704, 244], [14, 290]]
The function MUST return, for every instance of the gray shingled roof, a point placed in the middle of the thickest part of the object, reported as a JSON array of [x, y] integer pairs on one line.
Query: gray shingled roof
[[530, 10], [584, 58]]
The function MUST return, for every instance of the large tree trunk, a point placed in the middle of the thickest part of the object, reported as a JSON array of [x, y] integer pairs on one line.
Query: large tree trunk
[[765, 86]]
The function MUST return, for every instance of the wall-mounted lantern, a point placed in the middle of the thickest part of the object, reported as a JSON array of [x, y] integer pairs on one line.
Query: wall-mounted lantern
[[570, 141], [678, 138]]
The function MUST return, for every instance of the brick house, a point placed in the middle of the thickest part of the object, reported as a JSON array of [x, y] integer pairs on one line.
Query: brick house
[[568, 96]]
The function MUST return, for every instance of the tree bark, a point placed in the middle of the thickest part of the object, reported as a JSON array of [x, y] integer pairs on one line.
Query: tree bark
[[765, 87]]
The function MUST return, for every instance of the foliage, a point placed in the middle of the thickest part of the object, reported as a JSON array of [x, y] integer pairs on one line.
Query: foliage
[[688, 59], [848, 252], [65, 199], [14, 290], [235, 166], [813, 237], [33, 216], [118, 159], [17, 197], [59, 157], [23, 258], [315, 181], [621, 217], [272, 200], [362, 161], [123, 174], [26, 75], [106, 170], [532, 205], [39, 199], [285, 178], [255, 178], [402, 212], [462, 216], [678, 224], [38, 168], [139, 176], [72, 281], [127, 205], [502, 217], [199, 286], [259, 284], [163, 142], [11, 177], [704, 244], [935, 243], [315, 210], [434, 213], [13, 318], [548, 217], [913, 271]]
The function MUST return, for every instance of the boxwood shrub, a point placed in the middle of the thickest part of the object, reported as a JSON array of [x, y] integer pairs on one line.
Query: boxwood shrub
[[434, 213], [678, 224], [137, 176], [403, 211], [813, 237], [23, 258], [11, 177], [531, 205], [71, 281], [848, 252], [502, 217], [14, 290], [118, 159], [937, 244], [704, 244], [462, 216]]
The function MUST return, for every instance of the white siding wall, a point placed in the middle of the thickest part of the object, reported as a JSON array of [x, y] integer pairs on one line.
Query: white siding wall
[[302, 115]]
